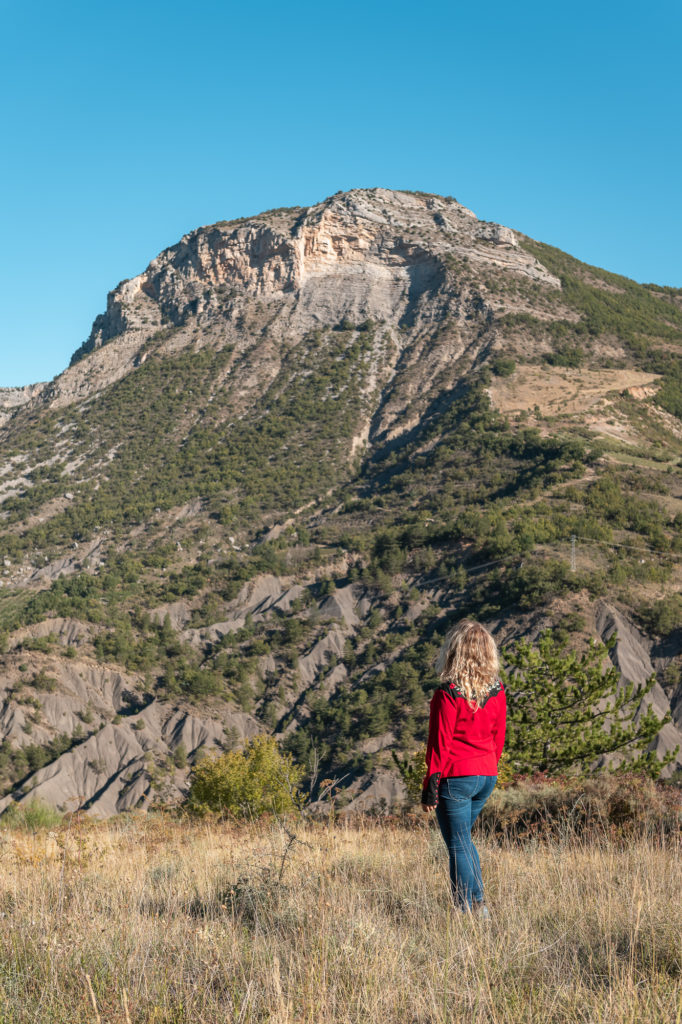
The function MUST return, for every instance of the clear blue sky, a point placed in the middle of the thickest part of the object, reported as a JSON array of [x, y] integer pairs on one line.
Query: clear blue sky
[[126, 124]]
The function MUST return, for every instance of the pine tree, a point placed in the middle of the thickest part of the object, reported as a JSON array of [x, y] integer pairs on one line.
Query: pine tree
[[566, 710], [412, 769]]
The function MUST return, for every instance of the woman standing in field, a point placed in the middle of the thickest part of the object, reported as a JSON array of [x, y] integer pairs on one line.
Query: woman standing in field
[[466, 735]]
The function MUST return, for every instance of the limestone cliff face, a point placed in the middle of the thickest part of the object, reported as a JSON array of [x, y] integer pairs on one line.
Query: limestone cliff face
[[375, 245], [406, 259], [12, 399]]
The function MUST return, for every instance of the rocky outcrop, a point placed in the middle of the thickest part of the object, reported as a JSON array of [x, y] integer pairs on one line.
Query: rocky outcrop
[[631, 654], [68, 631], [12, 399], [124, 763], [381, 789], [254, 599], [362, 237], [366, 254], [341, 605]]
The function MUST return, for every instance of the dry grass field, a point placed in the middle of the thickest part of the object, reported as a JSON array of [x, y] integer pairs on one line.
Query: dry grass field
[[156, 920], [565, 390]]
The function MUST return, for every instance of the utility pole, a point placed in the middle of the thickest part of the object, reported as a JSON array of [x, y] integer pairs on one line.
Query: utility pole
[[573, 538]]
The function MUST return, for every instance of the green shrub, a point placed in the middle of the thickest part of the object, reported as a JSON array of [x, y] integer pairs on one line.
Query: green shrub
[[32, 815], [248, 782], [42, 681], [502, 366], [663, 617], [180, 756], [412, 770], [566, 355]]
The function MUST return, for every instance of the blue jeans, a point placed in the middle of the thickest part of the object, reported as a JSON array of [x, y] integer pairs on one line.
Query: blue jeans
[[460, 801]]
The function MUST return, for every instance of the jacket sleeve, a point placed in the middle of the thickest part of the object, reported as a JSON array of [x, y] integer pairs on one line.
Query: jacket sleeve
[[500, 727], [442, 718]]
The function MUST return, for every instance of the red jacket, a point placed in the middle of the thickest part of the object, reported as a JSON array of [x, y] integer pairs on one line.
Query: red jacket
[[463, 741]]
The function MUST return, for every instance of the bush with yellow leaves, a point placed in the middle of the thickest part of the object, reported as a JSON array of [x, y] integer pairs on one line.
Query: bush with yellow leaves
[[247, 783]]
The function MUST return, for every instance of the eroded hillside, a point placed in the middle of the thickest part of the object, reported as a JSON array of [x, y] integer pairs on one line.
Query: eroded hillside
[[290, 453]]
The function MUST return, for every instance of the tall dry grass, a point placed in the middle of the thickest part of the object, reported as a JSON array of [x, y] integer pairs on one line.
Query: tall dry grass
[[163, 921]]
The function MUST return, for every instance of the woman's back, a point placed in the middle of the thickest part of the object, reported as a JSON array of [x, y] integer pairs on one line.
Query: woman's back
[[466, 735], [465, 739]]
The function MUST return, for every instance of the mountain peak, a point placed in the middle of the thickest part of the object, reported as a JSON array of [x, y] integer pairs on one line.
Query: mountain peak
[[363, 254]]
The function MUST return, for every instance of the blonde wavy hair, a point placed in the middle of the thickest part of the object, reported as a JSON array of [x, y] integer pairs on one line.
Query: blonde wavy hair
[[469, 659]]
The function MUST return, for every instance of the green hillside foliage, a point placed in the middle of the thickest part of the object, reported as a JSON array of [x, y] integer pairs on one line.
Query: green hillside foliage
[[646, 318], [164, 442], [609, 303], [468, 490]]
